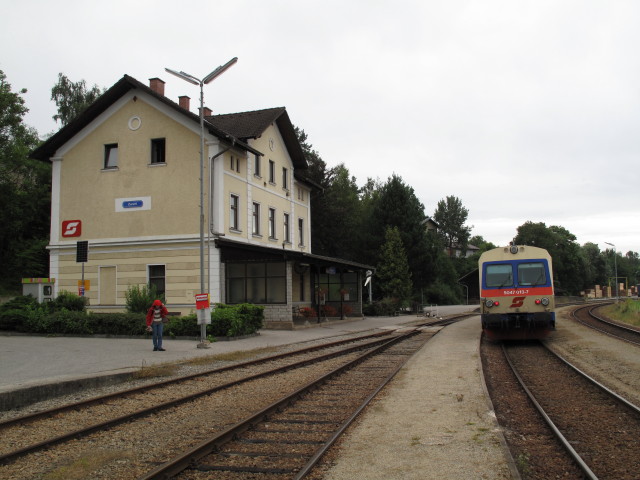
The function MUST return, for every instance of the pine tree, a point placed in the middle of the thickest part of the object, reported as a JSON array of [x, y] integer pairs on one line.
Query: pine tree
[[392, 272]]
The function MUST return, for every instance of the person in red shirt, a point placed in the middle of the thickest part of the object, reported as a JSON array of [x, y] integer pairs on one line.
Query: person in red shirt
[[155, 320]]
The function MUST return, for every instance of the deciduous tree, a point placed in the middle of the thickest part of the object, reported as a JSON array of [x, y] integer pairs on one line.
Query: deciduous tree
[[72, 98], [24, 194], [451, 217]]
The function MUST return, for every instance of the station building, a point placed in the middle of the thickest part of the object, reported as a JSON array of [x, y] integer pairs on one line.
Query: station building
[[126, 180]]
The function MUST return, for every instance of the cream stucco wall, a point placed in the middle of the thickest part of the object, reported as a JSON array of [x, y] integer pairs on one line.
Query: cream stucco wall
[[88, 192], [181, 262], [251, 188]]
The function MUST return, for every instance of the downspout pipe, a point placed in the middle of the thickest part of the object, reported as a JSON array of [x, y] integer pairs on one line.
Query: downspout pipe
[[210, 229]]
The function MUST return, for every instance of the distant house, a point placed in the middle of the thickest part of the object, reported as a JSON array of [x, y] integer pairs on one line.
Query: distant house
[[432, 226], [126, 179], [457, 251]]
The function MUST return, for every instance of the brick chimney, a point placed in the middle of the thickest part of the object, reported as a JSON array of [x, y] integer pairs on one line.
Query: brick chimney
[[206, 111], [184, 102], [157, 85]]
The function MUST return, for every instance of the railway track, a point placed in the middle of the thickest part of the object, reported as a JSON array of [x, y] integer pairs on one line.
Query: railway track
[[599, 429], [588, 317], [182, 411], [78, 419], [286, 439]]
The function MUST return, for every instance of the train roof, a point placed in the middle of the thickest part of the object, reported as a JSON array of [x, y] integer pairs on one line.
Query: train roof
[[506, 253]]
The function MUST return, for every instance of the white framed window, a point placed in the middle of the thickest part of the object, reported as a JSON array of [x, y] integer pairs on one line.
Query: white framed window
[[301, 232], [234, 212], [272, 223], [255, 218], [158, 149], [234, 164], [111, 155], [286, 226], [272, 172], [157, 278], [257, 171], [285, 178]]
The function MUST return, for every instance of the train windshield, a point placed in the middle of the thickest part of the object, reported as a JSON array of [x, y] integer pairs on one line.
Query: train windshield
[[531, 274], [499, 275]]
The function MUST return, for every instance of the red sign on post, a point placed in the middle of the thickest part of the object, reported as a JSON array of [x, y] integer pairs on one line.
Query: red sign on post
[[202, 301]]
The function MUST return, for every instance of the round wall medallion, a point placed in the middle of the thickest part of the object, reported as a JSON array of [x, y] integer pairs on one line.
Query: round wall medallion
[[135, 123]]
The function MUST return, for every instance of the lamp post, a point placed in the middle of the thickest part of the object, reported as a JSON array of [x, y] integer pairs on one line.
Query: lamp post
[[196, 81], [615, 263]]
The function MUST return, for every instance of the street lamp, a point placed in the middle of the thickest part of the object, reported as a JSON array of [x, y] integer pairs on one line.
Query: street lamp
[[615, 263], [196, 81]]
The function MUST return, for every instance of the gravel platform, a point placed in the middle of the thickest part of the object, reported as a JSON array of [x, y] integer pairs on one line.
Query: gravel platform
[[434, 421]]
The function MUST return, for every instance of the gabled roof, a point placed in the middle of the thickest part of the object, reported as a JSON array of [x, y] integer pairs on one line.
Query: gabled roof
[[249, 125], [108, 98]]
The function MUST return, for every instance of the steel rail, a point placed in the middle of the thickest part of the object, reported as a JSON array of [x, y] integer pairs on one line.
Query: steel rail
[[144, 388], [565, 443], [181, 462], [13, 455], [614, 325], [323, 449], [586, 376]]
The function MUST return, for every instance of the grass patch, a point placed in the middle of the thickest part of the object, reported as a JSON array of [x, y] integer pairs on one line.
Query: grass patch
[[479, 435], [522, 464], [415, 441], [163, 370], [87, 463], [627, 311], [233, 356]]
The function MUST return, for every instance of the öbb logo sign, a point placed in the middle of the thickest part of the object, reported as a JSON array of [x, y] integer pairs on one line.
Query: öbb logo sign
[[517, 302], [71, 228]]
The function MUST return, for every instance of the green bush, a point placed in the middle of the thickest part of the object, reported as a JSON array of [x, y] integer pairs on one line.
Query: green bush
[[186, 326], [27, 315], [12, 319], [442, 294], [67, 301], [139, 299], [19, 302], [118, 323]]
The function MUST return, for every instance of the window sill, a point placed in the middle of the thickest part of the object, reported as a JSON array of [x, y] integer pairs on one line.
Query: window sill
[[157, 164], [234, 230], [110, 169]]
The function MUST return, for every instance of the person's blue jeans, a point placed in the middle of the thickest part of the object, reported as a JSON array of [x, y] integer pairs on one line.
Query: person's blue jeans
[[156, 329]]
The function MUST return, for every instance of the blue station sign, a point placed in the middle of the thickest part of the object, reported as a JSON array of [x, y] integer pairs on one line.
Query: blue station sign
[[133, 204]]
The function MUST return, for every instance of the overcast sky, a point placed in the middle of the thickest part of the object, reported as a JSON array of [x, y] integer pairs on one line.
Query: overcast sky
[[524, 110]]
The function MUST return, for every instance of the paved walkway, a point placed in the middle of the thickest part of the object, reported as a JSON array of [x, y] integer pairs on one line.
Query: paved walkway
[[27, 361]]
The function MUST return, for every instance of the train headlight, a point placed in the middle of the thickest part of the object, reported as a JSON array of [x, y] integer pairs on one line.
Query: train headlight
[[545, 301], [488, 303]]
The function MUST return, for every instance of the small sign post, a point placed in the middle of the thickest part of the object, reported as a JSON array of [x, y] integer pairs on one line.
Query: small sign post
[[82, 255], [203, 311]]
